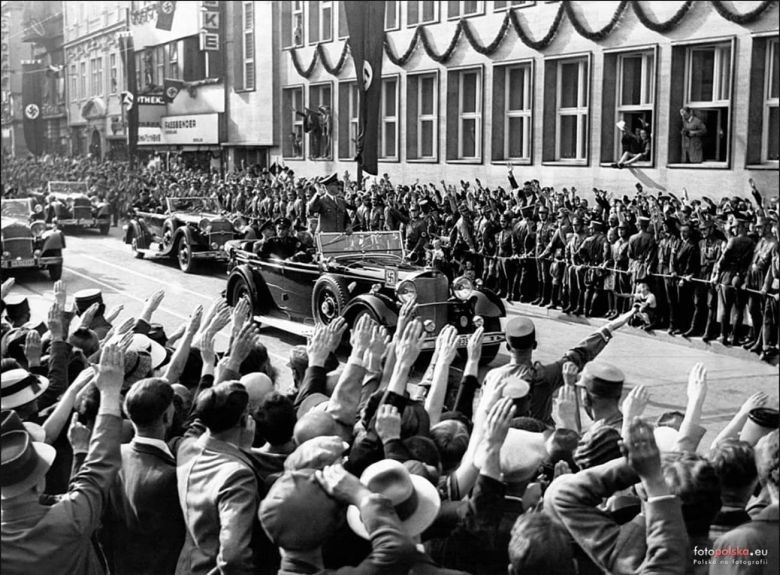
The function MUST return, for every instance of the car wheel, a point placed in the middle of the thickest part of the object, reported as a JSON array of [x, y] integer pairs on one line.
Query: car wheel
[[241, 291], [184, 255], [104, 229], [329, 298], [134, 246], [55, 271], [489, 352]]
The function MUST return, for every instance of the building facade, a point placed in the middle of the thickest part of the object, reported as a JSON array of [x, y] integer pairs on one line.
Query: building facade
[[469, 86], [95, 77], [12, 51]]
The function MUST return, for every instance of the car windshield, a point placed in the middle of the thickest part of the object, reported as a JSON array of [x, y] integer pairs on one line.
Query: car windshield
[[16, 209], [193, 205], [333, 244], [68, 187]]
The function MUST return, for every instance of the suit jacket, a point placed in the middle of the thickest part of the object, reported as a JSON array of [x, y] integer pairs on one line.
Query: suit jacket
[[218, 493], [332, 212], [143, 527], [762, 533], [58, 538], [655, 542]]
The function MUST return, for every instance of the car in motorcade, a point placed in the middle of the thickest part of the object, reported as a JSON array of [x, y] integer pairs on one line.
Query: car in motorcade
[[27, 242], [73, 208], [363, 273], [189, 229]]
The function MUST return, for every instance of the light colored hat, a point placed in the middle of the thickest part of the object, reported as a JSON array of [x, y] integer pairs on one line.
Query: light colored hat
[[20, 387], [155, 350], [415, 499], [665, 438], [521, 454], [621, 125]]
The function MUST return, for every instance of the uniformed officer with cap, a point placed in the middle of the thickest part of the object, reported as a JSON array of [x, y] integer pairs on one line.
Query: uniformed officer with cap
[[84, 300], [17, 309], [545, 379], [602, 386], [330, 206], [283, 245]]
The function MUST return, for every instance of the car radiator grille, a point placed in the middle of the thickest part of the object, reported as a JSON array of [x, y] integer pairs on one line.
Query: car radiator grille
[[17, 240], [433, 290], [82, 212], [220, 238]]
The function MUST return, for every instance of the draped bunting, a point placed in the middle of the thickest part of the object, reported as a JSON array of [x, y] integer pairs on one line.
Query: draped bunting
[[463, 28]]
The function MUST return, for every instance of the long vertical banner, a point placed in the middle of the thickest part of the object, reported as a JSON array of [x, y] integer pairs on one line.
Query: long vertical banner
[[32, 96], [128, 58], [366, 26]]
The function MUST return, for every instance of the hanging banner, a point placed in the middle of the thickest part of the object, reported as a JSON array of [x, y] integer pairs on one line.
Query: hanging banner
[[32, 93], [165, 12], [128, 59], [366, 26]]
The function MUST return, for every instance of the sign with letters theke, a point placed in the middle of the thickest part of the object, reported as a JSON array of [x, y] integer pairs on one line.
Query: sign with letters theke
[[210, 26]]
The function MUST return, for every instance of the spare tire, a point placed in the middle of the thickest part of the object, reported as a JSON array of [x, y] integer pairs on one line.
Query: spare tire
[[329, 298]]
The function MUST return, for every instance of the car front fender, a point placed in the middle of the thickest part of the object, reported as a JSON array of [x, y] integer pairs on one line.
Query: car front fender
[[238, 273], [487, 304], [137, 228], [103, 210], [53, 240], [379, 306]]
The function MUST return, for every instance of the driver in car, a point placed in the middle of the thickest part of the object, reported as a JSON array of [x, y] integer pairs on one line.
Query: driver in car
[[283, 245]]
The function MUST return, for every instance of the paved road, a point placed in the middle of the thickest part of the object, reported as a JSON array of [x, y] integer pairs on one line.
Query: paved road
[[105, 262]]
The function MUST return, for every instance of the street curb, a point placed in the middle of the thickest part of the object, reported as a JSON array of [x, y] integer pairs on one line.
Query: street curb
[[657, 335]]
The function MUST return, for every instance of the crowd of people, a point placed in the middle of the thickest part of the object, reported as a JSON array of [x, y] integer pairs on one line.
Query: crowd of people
[[694, 267]]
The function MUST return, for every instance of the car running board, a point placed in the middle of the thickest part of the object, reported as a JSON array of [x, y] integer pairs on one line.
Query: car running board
[[285, 325]]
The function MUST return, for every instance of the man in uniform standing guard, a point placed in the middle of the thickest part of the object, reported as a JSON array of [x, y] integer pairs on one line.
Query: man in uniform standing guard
[[330, 206]]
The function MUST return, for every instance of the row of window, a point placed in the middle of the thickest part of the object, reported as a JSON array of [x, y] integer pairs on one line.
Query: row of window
[[702, 77], [321, 19], [87, 78]]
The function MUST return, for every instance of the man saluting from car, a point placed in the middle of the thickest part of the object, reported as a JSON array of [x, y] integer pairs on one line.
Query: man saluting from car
[[330, 206]]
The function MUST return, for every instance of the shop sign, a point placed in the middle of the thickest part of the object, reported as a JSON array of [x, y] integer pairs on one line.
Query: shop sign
[[190, 129]]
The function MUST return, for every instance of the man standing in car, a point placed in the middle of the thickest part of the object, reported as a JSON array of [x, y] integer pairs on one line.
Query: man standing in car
[[330, 206]]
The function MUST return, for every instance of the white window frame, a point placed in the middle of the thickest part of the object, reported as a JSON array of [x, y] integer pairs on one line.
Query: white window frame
[[476, 115], [386, 119], [512, 4], [74, 82], [248, 34], [159, 65], [647, 89], [717, 88], [397, 8], [354, 118], [432, 118], [296, 14], [580, 111], [173, 60], [113, 81], [525, 113], [769, 102], [296, 123], [320, 88], [325, 5], [420, 4], [83, 80], [461, 10]]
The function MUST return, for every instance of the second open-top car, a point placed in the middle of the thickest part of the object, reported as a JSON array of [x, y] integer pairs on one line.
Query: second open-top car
[[190, 230], [27, 242], [355, 275], [70, 206]]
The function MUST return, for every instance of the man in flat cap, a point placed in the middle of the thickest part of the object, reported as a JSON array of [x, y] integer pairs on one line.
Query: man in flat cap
[[330, 206], [283, 245], [546, 379]]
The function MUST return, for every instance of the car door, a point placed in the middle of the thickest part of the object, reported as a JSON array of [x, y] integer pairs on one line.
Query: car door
[[300, 278]]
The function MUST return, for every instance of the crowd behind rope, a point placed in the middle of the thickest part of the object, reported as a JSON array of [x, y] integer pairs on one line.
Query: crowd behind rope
[[129, 450], [695, 268]]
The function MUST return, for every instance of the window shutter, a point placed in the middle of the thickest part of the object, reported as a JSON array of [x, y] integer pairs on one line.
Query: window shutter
[[608, 107], [453, 9], [287, 24], [238, 44], [676, 99], [548, 125], [193, 62], [412, 16], [497, 151], [287, 128], [314, 22], [452, 115], [756, 107], [412, 83], [343, 31], [343, 119]]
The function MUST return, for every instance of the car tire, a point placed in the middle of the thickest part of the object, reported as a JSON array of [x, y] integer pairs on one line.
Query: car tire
[[55, 271], [184, 255], [134, 246], [104, 229], [329, 298], [489, 352], [240, 290]]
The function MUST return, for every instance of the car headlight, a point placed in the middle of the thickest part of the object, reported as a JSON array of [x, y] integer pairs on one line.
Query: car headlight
[[37, 229], [204, 225], [38, 208], [462, 288], [406, 291]]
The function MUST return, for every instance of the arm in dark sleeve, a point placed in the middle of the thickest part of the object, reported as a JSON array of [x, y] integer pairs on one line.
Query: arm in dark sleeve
[[395, 449], [667, 538], [464, 402], [237, 505], [58, 374], [587, 349], [142, 326], [512, 181], [314, 381]]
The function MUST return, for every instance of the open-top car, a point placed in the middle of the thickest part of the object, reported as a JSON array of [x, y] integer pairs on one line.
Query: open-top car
[[189, 230], [360, 274], [72, 207], [27, 242]]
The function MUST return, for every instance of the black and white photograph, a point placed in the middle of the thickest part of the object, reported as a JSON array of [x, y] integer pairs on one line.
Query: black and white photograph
[[390, 287]]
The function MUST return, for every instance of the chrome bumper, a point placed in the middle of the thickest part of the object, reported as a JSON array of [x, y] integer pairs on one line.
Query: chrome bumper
[[86, 222], [217, 255], [490, 338], [21, 263]]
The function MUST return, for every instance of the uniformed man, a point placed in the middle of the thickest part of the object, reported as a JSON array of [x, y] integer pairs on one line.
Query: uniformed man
[[762, 255], [642, 251], [667, 251], [686, 265], [732, 268], [706, 294], [591, 253], [145, 202], [283, 245], [265, 232], [546, 379], [507, 264], [601, 386], [574, 278], [417, 240], [544, 233], [330, 206]]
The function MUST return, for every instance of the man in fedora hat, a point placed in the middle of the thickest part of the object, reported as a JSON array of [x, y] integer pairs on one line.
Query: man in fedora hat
[[57, 538]]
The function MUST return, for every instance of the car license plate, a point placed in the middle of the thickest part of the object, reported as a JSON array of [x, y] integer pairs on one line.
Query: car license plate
[[22, 263], [463, 340]]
